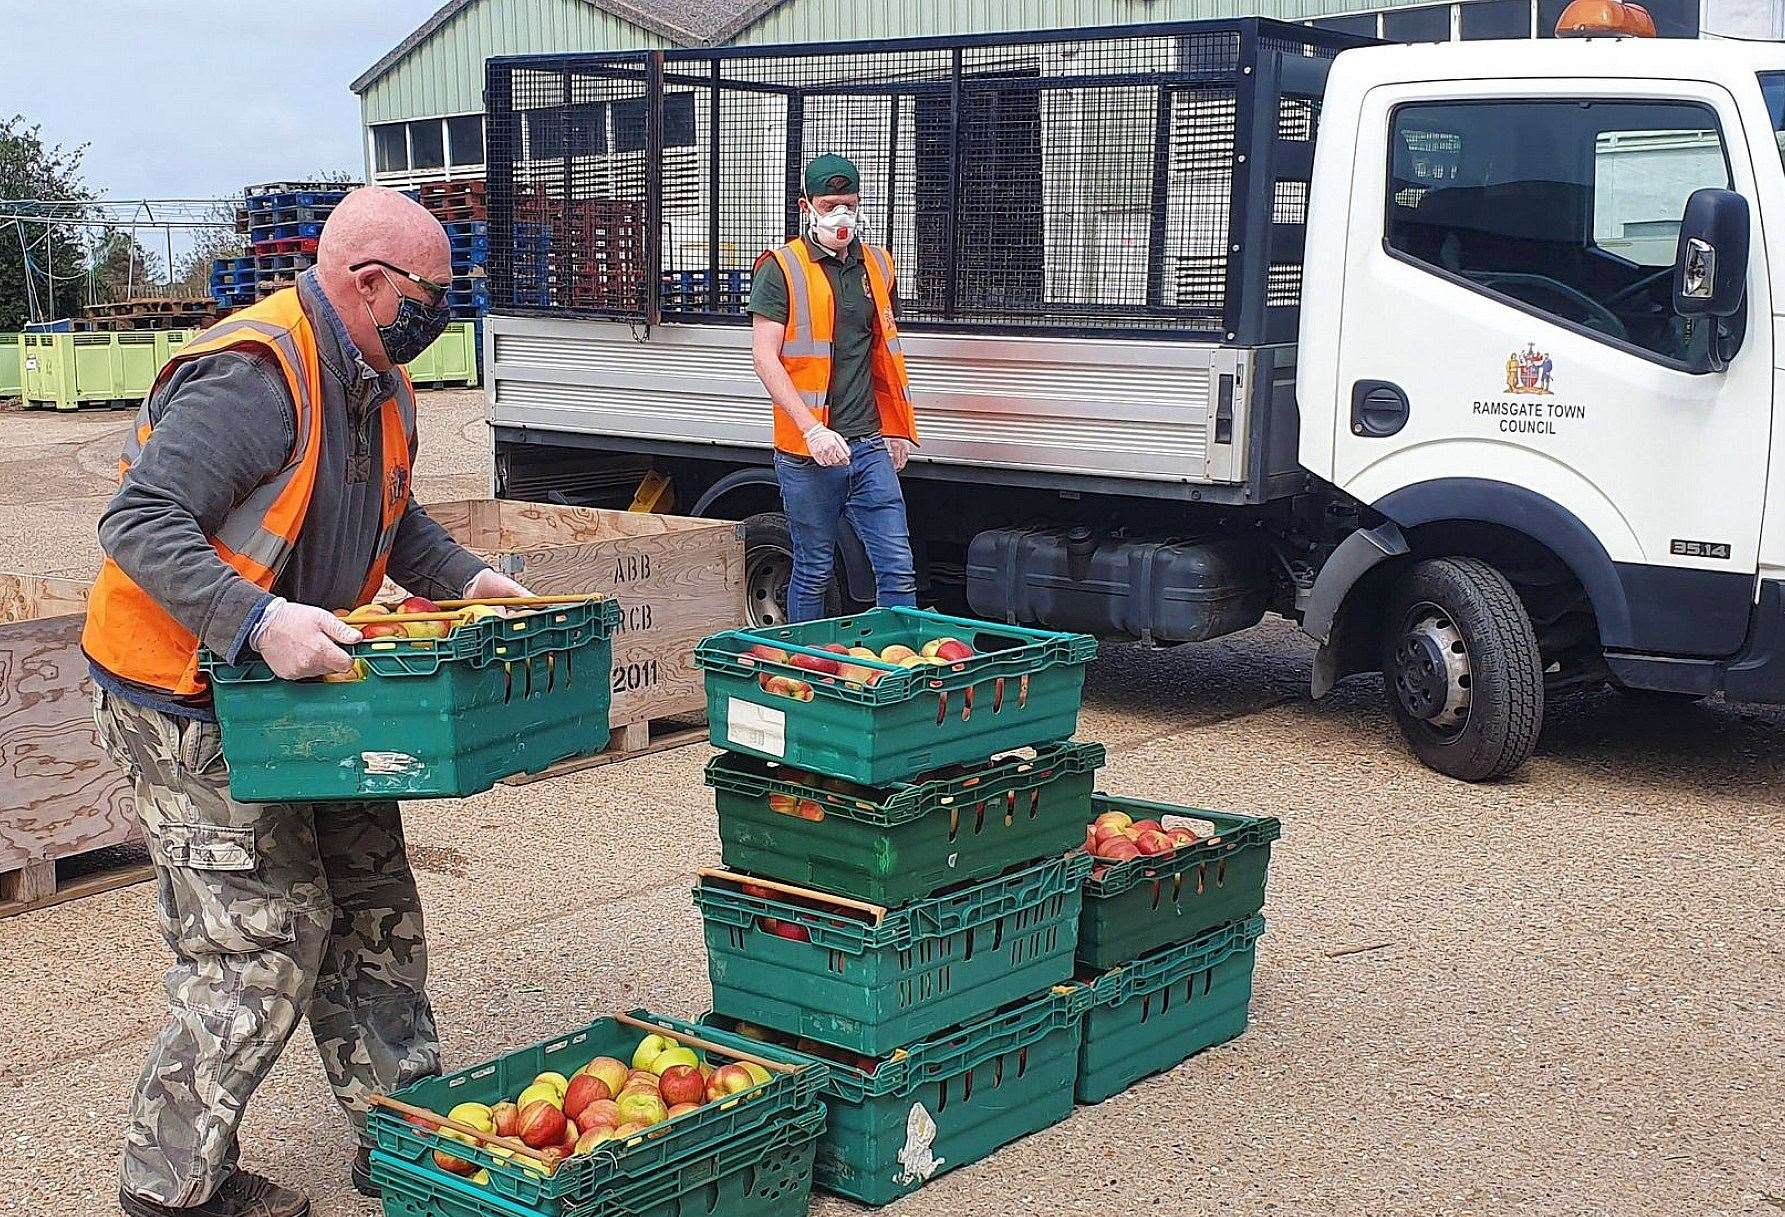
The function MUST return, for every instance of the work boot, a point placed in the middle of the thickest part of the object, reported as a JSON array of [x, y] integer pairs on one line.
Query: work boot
[[243, 1194], [362, 1174]]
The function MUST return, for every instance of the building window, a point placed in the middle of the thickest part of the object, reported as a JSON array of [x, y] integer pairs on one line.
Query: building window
[[1428, 24], [390, 148], [1496, 19], [427, 144], [464, 139], [1568, 208]]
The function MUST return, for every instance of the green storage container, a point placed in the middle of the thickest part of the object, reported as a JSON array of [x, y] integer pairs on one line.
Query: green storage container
[[765, 1173], [1133, 908], [450, 360], [949, 1099], [1020, 688], [67, 371], [872, 988], [431, 718], [908, 840], [11, 366], [1147, 1016], [645, 1174]]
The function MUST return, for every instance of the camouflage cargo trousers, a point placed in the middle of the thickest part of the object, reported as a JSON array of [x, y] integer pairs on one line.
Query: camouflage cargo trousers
[[274, 912]]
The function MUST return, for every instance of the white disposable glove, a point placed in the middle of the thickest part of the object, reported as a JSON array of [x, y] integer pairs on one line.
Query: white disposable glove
[[299, 641], [487, 584], [826, 446], [899, 450]]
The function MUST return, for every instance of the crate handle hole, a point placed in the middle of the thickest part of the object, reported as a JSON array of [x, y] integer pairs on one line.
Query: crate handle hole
[[967, 1087], [1221, 873], [1208, 981], [551, 671], [998, 695], [979, 819], [1022, 693], [1158, 890], [997, 1072], [941, 707], [1202, 878], [967, 951], [942, 1097], [997, 934], [1022, 1061], [1177, 887], [967, 703], [1146, 1007], [954, 822], [1165, 1000], [507, 683]]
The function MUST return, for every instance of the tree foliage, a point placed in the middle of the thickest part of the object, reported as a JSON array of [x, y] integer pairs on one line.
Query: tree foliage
[[31, 168]]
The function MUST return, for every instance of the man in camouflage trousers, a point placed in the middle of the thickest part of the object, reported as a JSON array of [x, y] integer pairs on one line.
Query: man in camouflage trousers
[[267, 482]]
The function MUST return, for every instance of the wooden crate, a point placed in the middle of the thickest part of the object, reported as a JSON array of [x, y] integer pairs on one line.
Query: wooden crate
[[677, 580], [60, 794]]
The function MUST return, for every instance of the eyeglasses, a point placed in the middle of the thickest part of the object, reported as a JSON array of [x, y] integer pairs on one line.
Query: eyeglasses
[[436, 291]]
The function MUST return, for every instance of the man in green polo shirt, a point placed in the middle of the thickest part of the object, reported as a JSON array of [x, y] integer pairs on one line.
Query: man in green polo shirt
[[827, 350]]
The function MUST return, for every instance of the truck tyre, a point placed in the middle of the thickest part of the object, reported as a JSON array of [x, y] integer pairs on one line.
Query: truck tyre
[[1463, 672], [768, 569]]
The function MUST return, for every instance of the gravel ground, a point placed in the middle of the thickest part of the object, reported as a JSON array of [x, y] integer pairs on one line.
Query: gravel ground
[[1560, 994]]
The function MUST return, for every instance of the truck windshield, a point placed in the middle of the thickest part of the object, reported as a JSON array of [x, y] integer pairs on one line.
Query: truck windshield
[[1772, 87]]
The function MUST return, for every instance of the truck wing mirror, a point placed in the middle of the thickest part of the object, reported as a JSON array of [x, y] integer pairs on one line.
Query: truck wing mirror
[[1710, 270]]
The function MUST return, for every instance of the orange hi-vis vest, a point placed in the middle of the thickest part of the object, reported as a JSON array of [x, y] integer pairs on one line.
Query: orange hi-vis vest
[[133, 637], [806, 346]]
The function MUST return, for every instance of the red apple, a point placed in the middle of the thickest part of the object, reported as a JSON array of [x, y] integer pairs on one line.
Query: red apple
[[418, 604], [807, 809], [1141, 826], [728, 1079], [682, 1109], [457, 1166], [1180, 837], [836, 648], [541, 1124], [1116, 849], [954, 650], [757, 890], [506, 1117], [764, 651], [583, 1090], [571, 1132], [681, 1084], [611, 1071], [815, 663], [1112, 821], [791, 930], [1152, 843], [602, 1113], [382, 629]]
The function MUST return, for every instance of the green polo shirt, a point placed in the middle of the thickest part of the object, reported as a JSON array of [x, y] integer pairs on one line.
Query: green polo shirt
[[853, 413]]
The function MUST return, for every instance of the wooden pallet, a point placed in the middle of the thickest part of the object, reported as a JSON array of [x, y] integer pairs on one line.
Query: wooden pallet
[[40, 885], [633, 739]]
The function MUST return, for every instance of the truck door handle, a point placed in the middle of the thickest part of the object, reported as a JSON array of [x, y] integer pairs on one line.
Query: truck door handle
[[1378, 408]]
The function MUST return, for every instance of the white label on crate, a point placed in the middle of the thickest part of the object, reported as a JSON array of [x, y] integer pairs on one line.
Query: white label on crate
[[917, 1158], [384, 763], [755, 727]]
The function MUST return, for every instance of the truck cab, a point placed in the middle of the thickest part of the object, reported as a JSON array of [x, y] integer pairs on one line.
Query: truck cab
[[1494, 366]]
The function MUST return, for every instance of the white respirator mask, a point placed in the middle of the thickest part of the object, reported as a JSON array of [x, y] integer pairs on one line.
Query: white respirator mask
[[836, 227]]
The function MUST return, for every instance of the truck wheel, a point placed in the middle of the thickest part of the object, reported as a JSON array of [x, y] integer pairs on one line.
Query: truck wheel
[[768, 569], [1463, 672]]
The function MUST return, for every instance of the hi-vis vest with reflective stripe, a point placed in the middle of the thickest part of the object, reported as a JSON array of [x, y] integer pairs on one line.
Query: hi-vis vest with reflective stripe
[[127, 632], [806, 344]]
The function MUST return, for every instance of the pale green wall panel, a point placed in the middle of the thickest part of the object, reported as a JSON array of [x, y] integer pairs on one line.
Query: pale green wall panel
[[806, 20], [444, 75]]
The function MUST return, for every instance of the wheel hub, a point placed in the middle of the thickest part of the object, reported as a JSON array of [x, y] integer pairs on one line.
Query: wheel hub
[[767, 573], [1431, 670]]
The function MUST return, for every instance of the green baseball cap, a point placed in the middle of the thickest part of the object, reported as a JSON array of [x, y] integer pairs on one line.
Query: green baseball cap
[[832, 174]]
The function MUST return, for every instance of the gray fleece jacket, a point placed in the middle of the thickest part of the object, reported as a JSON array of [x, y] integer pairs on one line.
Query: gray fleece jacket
[[223, 425]]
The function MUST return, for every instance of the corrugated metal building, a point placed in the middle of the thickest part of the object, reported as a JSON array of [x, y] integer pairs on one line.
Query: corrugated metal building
[[422, 104]]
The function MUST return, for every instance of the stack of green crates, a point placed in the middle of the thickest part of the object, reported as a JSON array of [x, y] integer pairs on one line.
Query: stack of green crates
[[903, 890], [1166, 946]]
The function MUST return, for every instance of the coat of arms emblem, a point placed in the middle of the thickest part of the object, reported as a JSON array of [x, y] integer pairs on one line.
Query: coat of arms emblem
[[1528, 371]]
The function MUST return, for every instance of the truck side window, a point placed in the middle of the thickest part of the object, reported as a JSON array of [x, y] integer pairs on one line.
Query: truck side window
[[1570, 208]]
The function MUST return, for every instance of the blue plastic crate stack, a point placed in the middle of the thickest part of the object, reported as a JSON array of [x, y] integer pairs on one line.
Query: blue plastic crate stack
[[459, 206], [285, 220]]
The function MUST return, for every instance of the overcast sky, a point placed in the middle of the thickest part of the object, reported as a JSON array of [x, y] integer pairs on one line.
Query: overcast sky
[[197, 98]]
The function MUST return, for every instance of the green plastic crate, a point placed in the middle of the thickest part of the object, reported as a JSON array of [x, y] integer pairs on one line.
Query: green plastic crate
[[1134, 908], [450, 360], [1021, 688], [432, 718], [67, 371], [1149, 1015], [950, 1099], [639, 1172], [765, 1173], [910, 839], [873, 988], [11, 367]]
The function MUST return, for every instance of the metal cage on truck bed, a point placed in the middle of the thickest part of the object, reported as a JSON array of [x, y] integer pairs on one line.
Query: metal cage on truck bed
[[1144, 180]]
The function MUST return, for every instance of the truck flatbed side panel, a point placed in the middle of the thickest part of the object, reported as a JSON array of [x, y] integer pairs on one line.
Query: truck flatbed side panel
[[1125, 409]]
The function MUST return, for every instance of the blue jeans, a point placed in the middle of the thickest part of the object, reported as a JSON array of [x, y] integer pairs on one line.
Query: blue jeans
[[817, 499]]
